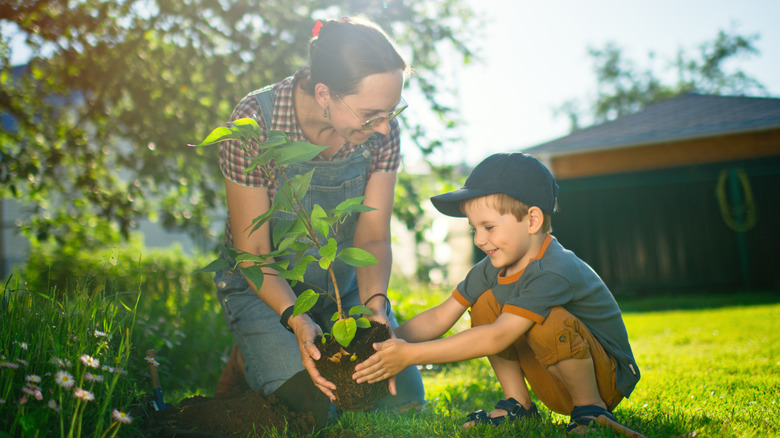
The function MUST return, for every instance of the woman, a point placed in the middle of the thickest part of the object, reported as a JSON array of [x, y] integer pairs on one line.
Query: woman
[[346, 100]]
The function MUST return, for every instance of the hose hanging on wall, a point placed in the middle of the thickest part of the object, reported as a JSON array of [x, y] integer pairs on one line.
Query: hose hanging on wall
[[741, 217]]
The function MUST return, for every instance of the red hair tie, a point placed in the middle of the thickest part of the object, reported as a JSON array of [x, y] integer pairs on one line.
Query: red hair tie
[[315, 31]]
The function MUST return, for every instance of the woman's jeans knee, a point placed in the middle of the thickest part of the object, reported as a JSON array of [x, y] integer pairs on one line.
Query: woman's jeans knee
[[271, 353]]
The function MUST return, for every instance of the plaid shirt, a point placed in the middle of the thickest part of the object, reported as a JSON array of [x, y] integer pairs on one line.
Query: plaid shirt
[[234, 158]]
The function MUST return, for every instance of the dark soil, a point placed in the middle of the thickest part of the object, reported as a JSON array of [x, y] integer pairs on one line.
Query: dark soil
[[337, 366], [244, 412], [239, 414]]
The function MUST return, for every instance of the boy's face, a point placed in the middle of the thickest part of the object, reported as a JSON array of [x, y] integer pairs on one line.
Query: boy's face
[[504, 239]]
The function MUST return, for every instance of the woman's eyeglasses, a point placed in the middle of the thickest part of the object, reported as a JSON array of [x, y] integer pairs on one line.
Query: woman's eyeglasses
[[402, 105]]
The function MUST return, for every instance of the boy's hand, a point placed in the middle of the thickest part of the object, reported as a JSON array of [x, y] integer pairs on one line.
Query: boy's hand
[[388, 361]]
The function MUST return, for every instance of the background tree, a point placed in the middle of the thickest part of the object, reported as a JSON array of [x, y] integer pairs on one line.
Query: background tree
[[623, 88], [95, 124]]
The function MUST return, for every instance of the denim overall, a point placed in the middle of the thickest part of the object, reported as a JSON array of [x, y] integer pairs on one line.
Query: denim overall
[[271, 352]]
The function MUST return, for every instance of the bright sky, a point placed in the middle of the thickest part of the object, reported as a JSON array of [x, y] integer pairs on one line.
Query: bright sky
[[536, 58]]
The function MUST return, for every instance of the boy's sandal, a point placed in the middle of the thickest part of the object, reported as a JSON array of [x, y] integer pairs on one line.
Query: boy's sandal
[[514, 411], [583, 417]]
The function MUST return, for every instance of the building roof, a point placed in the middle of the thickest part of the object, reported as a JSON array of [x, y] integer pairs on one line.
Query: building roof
[[684, 117]]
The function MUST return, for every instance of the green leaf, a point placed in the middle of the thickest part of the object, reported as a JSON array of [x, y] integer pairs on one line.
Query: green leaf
[[281, 228], [275, 138], [260, 220], [278, 266], [318, 220], [344, 331], [246, 121], [254, 274], [335, 316], [329, 250], [297, 187], [357, 257], [352, 205], [305, 301], [360, 310], [215, 266], [293, 235], [248, 127], [328, 253], [217, 135], [296, 273], [301, 183], [325, 263], [246, 257], [363, 323], [296, 152]]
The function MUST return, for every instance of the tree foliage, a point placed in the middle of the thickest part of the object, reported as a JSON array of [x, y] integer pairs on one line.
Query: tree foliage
[[95, 124], [623, 88]]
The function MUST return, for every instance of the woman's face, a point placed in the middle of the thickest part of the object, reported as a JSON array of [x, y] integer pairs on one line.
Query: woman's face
[[377, 95]]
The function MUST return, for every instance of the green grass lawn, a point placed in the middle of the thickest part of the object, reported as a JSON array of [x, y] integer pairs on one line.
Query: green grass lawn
[[710, 365], [710, 370]]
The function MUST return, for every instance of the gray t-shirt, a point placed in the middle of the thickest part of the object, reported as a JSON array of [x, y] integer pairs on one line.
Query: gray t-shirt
[[559, 278]]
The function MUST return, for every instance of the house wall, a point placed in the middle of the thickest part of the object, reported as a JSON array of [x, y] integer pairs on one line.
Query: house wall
[[663, 230]]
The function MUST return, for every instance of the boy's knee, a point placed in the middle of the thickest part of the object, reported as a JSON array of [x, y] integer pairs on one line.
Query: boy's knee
[[558, 338]]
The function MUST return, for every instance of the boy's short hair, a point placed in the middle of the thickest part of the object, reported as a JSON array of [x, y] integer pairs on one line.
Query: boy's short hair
[[517, 175], [505, 204]]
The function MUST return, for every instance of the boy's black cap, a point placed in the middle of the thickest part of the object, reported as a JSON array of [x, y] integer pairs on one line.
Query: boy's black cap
[[518, 175]]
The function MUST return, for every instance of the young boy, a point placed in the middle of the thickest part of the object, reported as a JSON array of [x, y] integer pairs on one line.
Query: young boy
[[539, 313]]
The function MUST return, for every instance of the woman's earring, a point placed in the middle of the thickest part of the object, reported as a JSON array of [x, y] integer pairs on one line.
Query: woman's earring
[[325, 112]]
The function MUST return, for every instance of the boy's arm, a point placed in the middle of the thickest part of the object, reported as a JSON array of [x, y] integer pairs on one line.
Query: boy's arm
[[431, 323], [394, 355]]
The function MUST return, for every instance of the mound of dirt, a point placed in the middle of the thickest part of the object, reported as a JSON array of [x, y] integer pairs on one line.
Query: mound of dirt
[[337, 364], [235, 415]]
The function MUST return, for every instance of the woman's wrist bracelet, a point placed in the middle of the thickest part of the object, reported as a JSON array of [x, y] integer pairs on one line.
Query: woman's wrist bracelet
[[380, 294], [286, 317]]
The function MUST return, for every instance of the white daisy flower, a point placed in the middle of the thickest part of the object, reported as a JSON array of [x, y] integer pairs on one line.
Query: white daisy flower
[[90, 377], [53, 405], [89, 361], [152, 361], [121, 417], [64, 379], [83, 394], [32, 378]]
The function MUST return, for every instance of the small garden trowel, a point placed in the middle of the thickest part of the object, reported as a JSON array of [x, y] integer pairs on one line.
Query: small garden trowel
[[159, 403]]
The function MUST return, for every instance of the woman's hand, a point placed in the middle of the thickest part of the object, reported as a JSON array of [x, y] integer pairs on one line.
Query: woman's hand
[[305, 332], [389, 360]]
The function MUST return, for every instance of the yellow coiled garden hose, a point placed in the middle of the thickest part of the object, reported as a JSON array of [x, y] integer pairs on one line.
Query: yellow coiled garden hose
[[742, 217]]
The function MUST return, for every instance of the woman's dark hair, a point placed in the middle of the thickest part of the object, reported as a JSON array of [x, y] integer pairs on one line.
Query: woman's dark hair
[[348, 50]]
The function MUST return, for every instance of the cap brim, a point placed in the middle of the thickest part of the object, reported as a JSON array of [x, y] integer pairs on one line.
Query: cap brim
[[449, 203]]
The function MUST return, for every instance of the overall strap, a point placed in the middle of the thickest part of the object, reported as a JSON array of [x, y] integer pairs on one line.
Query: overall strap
[[265, 98]]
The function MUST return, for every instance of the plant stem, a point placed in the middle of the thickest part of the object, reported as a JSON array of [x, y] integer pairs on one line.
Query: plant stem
[[338, 295]]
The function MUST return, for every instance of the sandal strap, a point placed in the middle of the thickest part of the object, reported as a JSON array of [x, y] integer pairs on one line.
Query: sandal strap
[[514, 409], [586, 415], [479, 416]]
